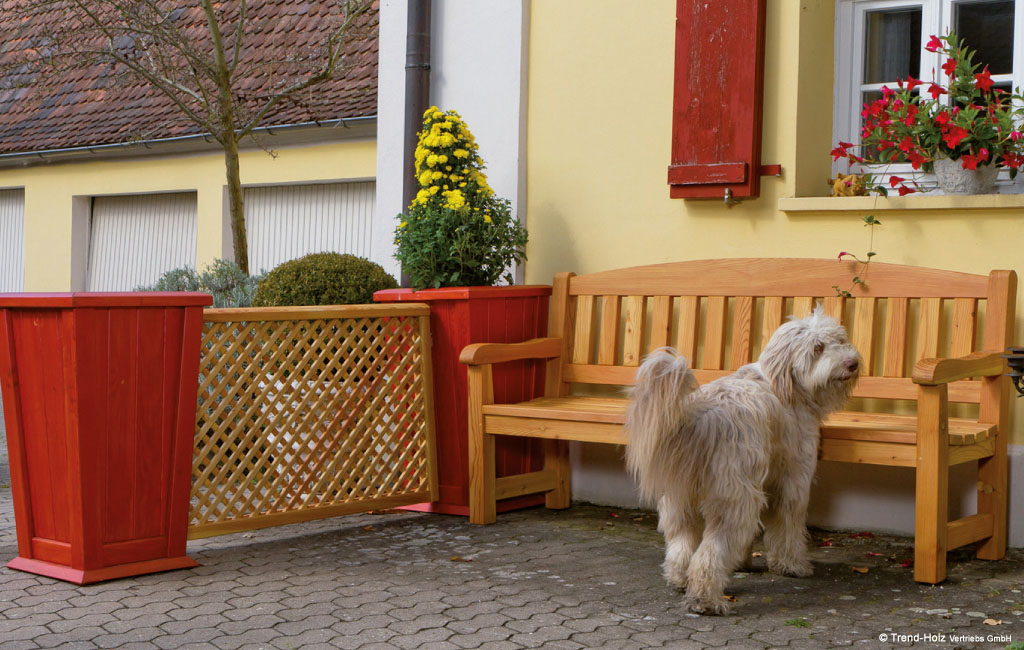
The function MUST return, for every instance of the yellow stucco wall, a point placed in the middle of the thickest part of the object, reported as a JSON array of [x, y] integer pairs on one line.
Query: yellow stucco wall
[[50, 188], [598, 147]]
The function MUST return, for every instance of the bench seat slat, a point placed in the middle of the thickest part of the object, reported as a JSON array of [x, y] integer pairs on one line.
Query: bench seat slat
[[845, 425]]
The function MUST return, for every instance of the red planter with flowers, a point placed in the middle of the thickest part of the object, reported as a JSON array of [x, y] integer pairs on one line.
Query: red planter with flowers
[[99, 395], [460, 316]]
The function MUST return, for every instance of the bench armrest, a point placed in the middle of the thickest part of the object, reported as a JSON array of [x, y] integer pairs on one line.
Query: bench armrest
[[483, 353], [931, 372]]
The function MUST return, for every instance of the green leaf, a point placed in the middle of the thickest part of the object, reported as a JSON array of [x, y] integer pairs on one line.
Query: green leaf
[[870, 255]]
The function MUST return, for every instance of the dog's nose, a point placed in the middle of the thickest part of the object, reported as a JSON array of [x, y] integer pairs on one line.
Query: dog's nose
[[852, 364]]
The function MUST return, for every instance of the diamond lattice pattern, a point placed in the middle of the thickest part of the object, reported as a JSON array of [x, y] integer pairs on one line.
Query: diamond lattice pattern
[[303, 416]]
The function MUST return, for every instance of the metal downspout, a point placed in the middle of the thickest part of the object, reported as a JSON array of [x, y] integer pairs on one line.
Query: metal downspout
[[417, 93]]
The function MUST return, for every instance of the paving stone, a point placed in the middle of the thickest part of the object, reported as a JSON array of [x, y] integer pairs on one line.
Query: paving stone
[[561, 580]]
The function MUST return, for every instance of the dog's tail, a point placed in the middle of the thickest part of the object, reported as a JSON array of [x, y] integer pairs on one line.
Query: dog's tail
[[656, 412]]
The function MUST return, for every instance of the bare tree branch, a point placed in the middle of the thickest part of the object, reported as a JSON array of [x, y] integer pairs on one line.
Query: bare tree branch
[[224, 66]]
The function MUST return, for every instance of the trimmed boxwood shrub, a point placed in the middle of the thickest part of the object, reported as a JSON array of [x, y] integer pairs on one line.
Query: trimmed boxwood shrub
[[323, 279]]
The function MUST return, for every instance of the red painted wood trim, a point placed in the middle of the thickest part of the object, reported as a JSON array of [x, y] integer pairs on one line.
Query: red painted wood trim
[[102, 299], [183, 432], [49, 550], [80, 577], [718, 93], [707, 174], [9, 383], [461, 293], [83, 538]]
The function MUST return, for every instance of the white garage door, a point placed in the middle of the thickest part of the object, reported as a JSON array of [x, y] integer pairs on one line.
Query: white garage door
[[134, 239], [288, 221], [12, 240]]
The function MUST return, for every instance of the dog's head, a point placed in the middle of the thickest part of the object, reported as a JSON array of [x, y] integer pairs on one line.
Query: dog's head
[[811, 360]]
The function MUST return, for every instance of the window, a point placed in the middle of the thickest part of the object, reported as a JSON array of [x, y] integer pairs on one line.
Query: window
[[880, 41]]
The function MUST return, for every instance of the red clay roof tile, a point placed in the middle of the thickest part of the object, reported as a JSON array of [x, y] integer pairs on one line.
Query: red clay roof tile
[[90, 105]]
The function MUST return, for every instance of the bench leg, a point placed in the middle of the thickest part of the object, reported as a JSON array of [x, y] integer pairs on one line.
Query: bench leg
[[992, 471], [932, 499], [556, 459], [992, 500], [482, 502]]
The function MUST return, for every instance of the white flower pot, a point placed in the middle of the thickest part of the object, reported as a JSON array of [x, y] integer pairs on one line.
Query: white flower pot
[[954, 179]]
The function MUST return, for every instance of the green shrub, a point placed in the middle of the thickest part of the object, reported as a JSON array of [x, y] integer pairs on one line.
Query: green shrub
[[222, 279], [323, 279]]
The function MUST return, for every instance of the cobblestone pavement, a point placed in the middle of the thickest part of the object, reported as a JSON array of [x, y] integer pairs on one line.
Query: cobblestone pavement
[[586, 577]]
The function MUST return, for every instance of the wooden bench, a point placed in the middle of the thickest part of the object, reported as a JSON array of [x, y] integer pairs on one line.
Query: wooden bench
[[925, 335]]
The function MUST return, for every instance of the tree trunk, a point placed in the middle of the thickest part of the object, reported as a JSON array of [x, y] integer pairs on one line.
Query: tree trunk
[[238, 236]]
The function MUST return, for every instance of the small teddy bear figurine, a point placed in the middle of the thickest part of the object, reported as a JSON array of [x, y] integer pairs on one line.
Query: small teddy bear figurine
[[847, 185]]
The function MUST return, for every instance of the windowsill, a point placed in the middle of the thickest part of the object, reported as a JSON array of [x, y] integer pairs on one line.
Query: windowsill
[[901, 203]]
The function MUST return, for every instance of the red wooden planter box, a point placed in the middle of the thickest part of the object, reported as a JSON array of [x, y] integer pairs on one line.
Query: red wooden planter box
[[460, 316], [99, 394]]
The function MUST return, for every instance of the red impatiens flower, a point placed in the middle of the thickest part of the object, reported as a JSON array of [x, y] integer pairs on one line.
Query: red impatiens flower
[[983, 80], [912, 83], [954, 135], [969, 161], [911, 117], [840, 151], [895, 180], [935, 90], [1016, 135], [949, 67], [904, 190], [934, 45], [942, 118], [983, 154], [916, 159]]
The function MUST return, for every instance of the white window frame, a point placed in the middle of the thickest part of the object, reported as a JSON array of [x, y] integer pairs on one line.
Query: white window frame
[[936, 18]]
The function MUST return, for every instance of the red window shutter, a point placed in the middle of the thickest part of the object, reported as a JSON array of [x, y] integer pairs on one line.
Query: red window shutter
[[716, 117]]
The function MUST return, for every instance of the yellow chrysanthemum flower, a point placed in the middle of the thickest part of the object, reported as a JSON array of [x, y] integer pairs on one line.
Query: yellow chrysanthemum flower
[[461, 153], [454, 199], [487, 218], [432, 160]]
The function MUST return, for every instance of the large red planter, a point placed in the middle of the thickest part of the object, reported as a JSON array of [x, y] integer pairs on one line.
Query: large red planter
[[460, 316], [99, 394]]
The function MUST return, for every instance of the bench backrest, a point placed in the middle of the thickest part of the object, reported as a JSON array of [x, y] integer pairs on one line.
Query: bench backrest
[[720, 312]]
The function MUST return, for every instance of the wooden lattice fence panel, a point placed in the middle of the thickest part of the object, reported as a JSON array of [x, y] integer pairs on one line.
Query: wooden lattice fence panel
[[307, 413]]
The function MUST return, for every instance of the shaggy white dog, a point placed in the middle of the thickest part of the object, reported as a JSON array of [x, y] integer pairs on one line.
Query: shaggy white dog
[[716, 457]]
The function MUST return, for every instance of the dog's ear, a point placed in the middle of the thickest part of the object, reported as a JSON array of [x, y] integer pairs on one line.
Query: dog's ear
[[777, 367]]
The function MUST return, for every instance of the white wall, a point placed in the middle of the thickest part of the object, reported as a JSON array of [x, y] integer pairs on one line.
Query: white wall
[[478, 58], [390, 125]]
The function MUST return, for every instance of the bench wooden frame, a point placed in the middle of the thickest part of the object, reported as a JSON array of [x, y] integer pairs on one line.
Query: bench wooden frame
[[603, 323]]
